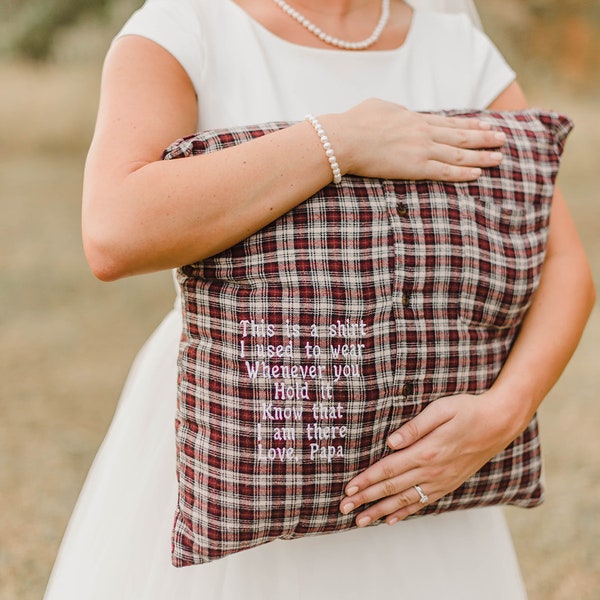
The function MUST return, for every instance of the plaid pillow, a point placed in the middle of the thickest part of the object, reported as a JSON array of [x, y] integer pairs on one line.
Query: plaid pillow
[[307, 344]]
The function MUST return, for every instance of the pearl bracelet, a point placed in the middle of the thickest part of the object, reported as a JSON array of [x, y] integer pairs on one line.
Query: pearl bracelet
[[333, 163]]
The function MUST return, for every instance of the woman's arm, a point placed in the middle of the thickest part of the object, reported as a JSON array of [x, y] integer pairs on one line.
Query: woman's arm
[[555, 321], [455, 436], [143, 214]]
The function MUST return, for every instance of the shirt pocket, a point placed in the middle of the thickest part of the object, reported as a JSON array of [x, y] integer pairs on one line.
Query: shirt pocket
[[503, 250]]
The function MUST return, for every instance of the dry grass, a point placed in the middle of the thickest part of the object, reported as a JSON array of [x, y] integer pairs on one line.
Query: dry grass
[[66, 341]]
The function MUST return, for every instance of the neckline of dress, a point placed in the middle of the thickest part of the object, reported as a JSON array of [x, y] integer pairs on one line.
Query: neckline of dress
[[328, 51]]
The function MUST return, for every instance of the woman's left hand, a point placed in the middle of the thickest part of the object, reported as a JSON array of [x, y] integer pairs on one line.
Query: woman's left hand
[[450, 440]]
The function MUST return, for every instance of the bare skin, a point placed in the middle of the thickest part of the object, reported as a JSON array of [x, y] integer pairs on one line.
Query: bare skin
[[350, 20], [142, 214]]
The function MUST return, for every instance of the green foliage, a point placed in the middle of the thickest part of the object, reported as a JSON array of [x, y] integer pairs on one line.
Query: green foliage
[[35, 23]]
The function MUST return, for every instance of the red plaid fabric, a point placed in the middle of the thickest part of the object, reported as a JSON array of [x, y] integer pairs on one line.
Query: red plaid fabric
[[308, 343]]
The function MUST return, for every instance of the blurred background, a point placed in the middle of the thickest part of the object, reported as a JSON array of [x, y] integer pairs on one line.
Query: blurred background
[[67, 340]]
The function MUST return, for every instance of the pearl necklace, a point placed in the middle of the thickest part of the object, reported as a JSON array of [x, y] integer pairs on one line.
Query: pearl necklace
[[328, 39]]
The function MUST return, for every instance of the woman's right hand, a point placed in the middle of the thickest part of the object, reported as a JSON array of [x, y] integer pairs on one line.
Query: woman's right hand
[[382, 139]]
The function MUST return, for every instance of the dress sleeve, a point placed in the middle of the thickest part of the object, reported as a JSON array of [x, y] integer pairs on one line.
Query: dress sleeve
[[175, 26], [452, 63], [490, 72], [468, 69]]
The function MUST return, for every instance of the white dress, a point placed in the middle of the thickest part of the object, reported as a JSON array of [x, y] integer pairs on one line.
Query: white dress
[[117, 545]]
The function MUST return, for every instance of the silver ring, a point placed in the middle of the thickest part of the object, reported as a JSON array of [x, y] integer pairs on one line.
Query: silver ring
[[424, 498]]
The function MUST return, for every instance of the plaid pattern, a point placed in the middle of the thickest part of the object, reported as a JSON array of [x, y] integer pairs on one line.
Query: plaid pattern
[[411, 291]]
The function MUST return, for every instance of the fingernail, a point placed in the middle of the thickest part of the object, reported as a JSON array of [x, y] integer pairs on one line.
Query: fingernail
[[363, 521], [496, 155], [393, 521], [475, 173], [395, 440], [347, 508], [500, 136], [352, 490]]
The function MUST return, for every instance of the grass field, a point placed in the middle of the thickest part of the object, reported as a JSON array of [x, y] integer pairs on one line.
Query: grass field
[[66, 342]]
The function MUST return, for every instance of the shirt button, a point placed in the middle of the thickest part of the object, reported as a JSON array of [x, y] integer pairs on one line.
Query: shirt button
[[408, 389], [402, 210], [405, 299]]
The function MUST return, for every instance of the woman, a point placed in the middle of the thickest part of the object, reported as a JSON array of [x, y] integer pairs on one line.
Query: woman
[[182, 66]]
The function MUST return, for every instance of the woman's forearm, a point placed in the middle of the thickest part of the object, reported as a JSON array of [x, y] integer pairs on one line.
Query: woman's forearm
[[552, 327], [164, 214], [143, 214], [555, 320], [168, 213]]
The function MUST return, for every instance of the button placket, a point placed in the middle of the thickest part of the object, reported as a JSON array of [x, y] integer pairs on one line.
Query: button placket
[[399, 210]]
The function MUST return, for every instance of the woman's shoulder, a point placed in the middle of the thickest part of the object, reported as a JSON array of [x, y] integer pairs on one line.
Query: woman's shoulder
[[451, 37], [181, 27], [460, 57], [190, 22]]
